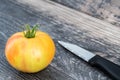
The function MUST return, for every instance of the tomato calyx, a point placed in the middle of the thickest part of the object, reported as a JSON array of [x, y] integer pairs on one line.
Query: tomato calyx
[[30, 32]]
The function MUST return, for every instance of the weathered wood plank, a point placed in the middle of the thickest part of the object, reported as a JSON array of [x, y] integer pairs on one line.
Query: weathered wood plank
[[61, 23], [107, 10], [95, 26]]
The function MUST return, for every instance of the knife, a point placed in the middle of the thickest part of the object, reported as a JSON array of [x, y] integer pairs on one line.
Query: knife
[[108, 67]]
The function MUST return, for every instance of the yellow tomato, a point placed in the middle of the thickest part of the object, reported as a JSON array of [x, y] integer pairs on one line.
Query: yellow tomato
[[30, 54]]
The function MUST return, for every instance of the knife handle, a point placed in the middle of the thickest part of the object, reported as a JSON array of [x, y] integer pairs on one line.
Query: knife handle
[[110, 68]]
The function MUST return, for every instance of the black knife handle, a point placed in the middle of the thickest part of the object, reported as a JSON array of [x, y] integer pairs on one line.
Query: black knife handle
[[108, 67]]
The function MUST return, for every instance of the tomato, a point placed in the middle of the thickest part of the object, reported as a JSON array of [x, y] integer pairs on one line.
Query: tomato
[[30, 53]]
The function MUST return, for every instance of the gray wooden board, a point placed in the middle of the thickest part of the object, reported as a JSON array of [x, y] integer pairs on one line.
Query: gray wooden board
[[65, 65], [107, 10]]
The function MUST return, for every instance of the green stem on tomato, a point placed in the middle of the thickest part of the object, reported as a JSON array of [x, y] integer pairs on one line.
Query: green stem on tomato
[[30, 32]]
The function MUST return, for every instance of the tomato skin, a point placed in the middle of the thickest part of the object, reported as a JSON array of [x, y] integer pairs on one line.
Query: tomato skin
[[30, 54]]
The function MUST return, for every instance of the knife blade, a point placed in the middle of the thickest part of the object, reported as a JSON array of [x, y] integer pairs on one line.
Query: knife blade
[[108, 67]]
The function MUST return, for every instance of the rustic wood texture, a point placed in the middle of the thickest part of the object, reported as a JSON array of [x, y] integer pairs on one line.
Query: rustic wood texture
[[62, 23], [107, 10]]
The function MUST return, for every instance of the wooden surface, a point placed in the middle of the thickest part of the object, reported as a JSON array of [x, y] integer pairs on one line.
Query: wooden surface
[[65, 24], [106, 10]]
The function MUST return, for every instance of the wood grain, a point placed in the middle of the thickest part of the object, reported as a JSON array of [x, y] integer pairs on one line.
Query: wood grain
[[107, 10], [96, 28], [85, 22], [61, 23]]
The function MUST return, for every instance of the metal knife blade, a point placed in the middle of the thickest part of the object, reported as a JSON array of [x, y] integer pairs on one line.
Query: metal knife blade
[[84, 54]]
